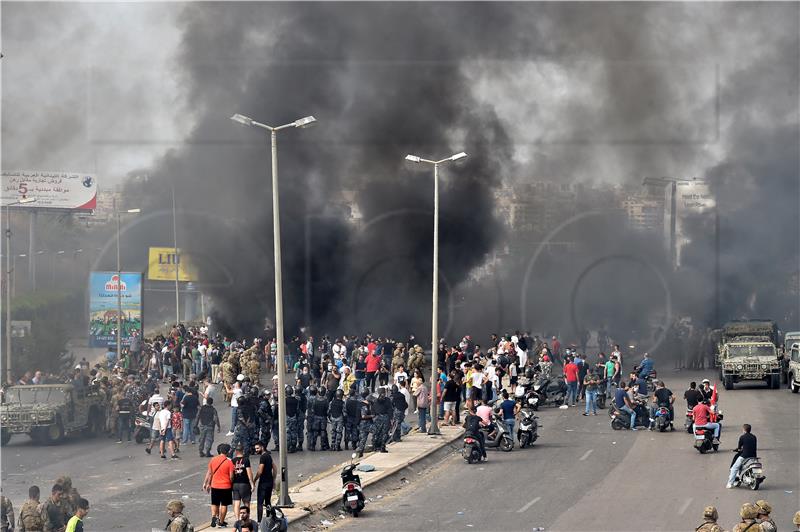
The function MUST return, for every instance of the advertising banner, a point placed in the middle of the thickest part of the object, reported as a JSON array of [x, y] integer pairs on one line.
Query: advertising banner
[[52, 190], [103, 307], [693, 199], [161, 265]]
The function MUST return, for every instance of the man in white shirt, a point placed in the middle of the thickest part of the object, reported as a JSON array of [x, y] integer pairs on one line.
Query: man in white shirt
[[236, 393], [155, 400], [400, 374], [161, 423], [210, 390]]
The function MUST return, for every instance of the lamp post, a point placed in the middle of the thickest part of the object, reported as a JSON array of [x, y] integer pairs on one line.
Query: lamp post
[[283, 498], [22, 201], [434, 428], [119, 278], [175, 242]]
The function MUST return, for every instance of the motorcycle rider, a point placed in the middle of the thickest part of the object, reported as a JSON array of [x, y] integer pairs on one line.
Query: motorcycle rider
[[702, 419], [472, 429], [706, 389], [646, 366], [623, 402], [764, 509], [662, 397], [748, 513], [709, 523], [746, 448]]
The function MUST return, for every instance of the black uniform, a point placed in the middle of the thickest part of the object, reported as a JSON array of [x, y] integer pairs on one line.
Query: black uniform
[[301, 418], [320, 423], [292, 408], [382, 410], [352, 418], [336, 417]]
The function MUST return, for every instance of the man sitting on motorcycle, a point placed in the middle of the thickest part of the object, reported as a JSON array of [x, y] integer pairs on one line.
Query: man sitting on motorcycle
[[623, 402], [747, 448], [646, 366], [472, 429], [702, 419], [662, 397]]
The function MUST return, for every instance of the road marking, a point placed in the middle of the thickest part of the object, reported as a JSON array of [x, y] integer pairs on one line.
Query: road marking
[[685, 506], [525, 508], [183, 478], [586, 455]]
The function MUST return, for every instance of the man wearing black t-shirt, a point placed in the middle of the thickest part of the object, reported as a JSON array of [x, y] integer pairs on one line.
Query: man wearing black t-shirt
[[692, 396], [242, 479], [747, 448], [264, 478], [662, 397]]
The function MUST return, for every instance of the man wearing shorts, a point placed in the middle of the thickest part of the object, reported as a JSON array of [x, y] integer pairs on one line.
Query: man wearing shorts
[[242, 479], [451, 392], [219, 482]]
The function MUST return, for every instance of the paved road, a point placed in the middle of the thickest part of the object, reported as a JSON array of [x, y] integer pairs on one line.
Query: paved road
[[581, 475], [126, 488]]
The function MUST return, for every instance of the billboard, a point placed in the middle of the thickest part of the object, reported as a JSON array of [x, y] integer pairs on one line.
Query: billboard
[[693, 198], [103, 307], [52, 190], [161, 265]]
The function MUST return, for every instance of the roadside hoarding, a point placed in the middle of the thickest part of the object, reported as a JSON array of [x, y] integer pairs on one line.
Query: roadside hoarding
[[693, 199], [103, 307], [52, 190], [161, 265]]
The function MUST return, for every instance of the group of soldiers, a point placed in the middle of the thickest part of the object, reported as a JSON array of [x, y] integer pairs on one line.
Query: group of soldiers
[[50, 515], [245, 362], [755, 517]]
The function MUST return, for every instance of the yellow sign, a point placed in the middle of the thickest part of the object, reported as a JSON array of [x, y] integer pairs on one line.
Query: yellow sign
[[161, 265]]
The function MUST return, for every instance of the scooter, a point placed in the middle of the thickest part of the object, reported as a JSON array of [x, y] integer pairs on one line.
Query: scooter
[[751, 474], [471, 450], [689, 423], [141, 429], [704, 440], [622, 420], [501, 438], [352, 494], [550, 392], [662, 418], [527, 433]]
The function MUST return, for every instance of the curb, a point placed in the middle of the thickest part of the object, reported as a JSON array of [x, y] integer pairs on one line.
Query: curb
[[306, 512]]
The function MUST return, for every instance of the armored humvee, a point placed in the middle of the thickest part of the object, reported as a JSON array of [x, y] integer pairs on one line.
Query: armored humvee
[[49, 412], [748, 350]]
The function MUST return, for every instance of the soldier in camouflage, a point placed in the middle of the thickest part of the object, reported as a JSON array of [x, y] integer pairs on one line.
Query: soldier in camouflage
[[52, 514], [764, 509], [264, 419], [6, 514], [748, 513], [709, 523], [177, 521], [30, 515], [352, 419], [365, 424], [336, 418]]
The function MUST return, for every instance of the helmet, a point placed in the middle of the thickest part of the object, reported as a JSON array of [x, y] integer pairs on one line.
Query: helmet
[[529, 373], [706, 381], [339, 394], [312, 390], [240, 377], [710, 512], [353, 392], [289, 390], [175, 506], [748, 511], [381, 391], [298, 390], [322, 392], [394, 388], [763, 506], [796, 519], [365, 394]]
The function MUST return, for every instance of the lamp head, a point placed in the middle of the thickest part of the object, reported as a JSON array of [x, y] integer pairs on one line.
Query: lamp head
[[413, 158], [305, 122], [457, 156], [242, 119]]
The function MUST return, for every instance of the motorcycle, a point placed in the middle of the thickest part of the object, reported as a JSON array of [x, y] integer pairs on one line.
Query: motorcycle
[[352, 494], [550, 392], [141, 429], [751, 474], [622, 420], [501, 438], [528, 431], [704, 440], [601, 397], [662, 418], [650, 379], [471, 450], [689, 423]]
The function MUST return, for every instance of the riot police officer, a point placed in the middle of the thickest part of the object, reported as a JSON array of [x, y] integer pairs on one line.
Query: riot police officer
[[292, 408], [399, 406], [352, 419], [336, 418], [382, 409], [264, 415], [302, 401], [320, 419], [365, 423], [312, 428]]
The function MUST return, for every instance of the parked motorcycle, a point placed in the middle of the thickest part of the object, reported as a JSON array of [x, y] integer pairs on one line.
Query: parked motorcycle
[[751, 474], [622, 420], [528, 431], [352, 494], [141, 429], [551, 392]]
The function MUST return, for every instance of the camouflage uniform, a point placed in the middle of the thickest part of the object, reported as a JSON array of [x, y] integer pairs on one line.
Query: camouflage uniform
[[30, 517], [397, 359], [254, 370], [765, 508], [48, 525], [709, 523], [351, 422], [6, 514], [320, 420], [336, 418], [748, 513], [365, 427], [382, 409], [177, 522]]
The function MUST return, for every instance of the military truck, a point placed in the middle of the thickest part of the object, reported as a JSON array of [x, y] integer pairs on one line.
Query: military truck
[[794, 366], [49, 412], [748, 351]]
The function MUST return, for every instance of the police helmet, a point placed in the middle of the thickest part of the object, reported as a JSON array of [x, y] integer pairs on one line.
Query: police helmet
[[365, 394], [529, 373], [381, 391], [312, 390], [322, 392], [710, 512], [289, 390], [748, 511], [298, 390], [339, 394]]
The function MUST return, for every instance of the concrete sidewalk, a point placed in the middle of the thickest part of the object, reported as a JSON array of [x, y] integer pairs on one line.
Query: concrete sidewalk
[[325, 489]]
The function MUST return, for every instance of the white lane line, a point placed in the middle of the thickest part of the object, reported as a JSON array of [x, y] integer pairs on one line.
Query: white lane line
[[183, 478], [586, 455], [525, 508], [685, 506]]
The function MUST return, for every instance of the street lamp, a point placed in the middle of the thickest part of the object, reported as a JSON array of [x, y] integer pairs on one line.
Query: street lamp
[[119, 278], [434, 428], [22, 201], [283, 498]]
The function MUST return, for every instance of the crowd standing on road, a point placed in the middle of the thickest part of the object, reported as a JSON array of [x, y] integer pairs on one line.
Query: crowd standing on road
[[345, 393]]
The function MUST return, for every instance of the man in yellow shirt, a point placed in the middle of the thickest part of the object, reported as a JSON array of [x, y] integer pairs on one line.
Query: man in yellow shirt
[[75, 523]]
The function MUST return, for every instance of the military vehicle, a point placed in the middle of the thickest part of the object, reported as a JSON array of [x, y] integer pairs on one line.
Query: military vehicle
[[748, 351], [49, 412], [794, 367]]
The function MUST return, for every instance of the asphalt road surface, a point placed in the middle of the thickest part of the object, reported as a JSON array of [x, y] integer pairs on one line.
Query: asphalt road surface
[[126, 488], [582, 475]]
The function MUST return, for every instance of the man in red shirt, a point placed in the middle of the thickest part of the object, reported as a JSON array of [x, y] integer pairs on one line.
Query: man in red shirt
[[571, 376], [556, 350], [373, 365], [702, 419], [219, 482]]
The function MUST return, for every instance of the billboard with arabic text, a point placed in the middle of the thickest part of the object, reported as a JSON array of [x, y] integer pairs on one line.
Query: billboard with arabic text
[[52, 190]]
